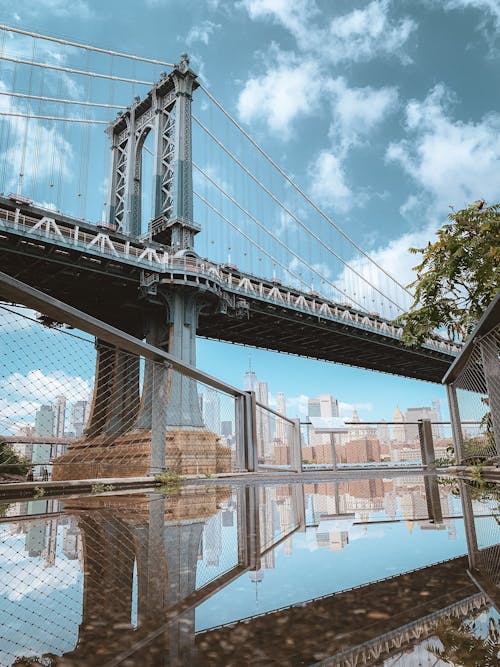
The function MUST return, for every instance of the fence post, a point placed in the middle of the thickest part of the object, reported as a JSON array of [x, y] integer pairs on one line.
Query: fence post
[[456, 426], [158, 416], [491, 369], [469, 524], [426, 443], [250, 431], [296, 453]]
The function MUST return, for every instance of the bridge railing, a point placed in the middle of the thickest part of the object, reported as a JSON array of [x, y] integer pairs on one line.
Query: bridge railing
[[473, 385], [101, 241], [81, 399]]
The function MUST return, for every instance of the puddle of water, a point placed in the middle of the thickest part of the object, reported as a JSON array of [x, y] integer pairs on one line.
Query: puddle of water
[[385, 571]]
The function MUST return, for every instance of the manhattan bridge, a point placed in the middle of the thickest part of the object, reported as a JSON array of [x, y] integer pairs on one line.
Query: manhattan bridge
[[133, 196]]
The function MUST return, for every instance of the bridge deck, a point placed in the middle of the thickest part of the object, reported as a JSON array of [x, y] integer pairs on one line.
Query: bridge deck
[[118, 280]]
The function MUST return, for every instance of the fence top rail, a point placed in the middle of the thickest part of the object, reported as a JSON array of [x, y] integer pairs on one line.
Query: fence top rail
[[488, 322], [274, 412], [16, 291]]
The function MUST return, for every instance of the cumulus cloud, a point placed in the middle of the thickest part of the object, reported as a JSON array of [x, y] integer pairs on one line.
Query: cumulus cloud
[[329, 186], [361, 34], [453, 162], [490, 7], [46, 387], [58, 8], [357, 111], [288, 89], [202, 33]]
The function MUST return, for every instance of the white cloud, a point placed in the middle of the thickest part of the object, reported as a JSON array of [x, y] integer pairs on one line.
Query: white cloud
[[346, 409], [490, 7], [361, 34], [366, 33], [202, 33], [328, 182], [453, 162], [357, 111], [287, 90], [38, 386], [77, 9]]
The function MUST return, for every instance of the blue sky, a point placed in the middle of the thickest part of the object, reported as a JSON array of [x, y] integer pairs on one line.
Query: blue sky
[[386, 113]]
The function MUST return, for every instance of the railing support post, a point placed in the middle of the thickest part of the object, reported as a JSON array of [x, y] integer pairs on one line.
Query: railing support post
[[426, 443], [249, 431], [296, 453], [456, 426], [158, 417]]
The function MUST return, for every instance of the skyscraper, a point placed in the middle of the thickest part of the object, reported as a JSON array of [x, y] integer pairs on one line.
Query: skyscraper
[[211, 410], [77, 419], [325, 405], [263, 427], [398, 431], [60, 422], [280, 423], [44, 421]]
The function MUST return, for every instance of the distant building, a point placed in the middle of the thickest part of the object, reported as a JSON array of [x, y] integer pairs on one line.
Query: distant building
[[326, 406], [383, 433], [78, 418], [211, 410], [281, 430], [414, 415], [60, 421], [44, 421], [362, 450], [398, 430]]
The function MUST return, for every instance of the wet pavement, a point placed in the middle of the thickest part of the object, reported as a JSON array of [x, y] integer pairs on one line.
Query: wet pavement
[[383, 571]]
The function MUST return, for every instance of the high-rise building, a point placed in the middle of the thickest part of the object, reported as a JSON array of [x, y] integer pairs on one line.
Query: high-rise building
[[398, 430], [326, 406], [211, 410], [77, 418], [281, 423], [414, 415], [383, 432], [60, 422], [44, 421], [436, 406], [250, 381]]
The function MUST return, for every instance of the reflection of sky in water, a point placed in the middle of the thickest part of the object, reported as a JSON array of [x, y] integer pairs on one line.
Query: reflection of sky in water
[[40, 606], [373, 552]]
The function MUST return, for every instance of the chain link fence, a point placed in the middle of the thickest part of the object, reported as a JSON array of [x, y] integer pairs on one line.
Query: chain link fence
[[473, 384]]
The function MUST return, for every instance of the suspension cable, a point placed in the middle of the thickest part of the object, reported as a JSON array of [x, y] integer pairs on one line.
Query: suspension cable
[[70, 70], [61, 118], [276, 238], [108, 52], [252, 241], [62, 101], [297, 187], [291, 214]]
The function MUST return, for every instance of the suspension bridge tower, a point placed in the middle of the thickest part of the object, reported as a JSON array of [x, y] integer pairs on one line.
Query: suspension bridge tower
[[125, 421]]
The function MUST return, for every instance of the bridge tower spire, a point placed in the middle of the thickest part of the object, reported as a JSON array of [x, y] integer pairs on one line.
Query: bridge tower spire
[[166, 112]]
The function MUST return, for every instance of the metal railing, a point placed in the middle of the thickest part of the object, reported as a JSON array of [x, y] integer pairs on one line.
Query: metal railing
[[473, 385], [72, 409], [99, 241]]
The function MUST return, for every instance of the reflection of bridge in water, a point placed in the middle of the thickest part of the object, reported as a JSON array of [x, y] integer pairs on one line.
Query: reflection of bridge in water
[[143, 550]]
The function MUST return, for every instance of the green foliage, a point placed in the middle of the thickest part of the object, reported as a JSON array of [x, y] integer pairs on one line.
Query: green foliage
[[98, 487], [169, 482], [17, 464], [462, 646], [458, 276]]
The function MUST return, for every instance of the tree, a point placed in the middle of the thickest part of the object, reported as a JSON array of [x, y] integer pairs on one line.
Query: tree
[[16, 465], [458, 277]]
